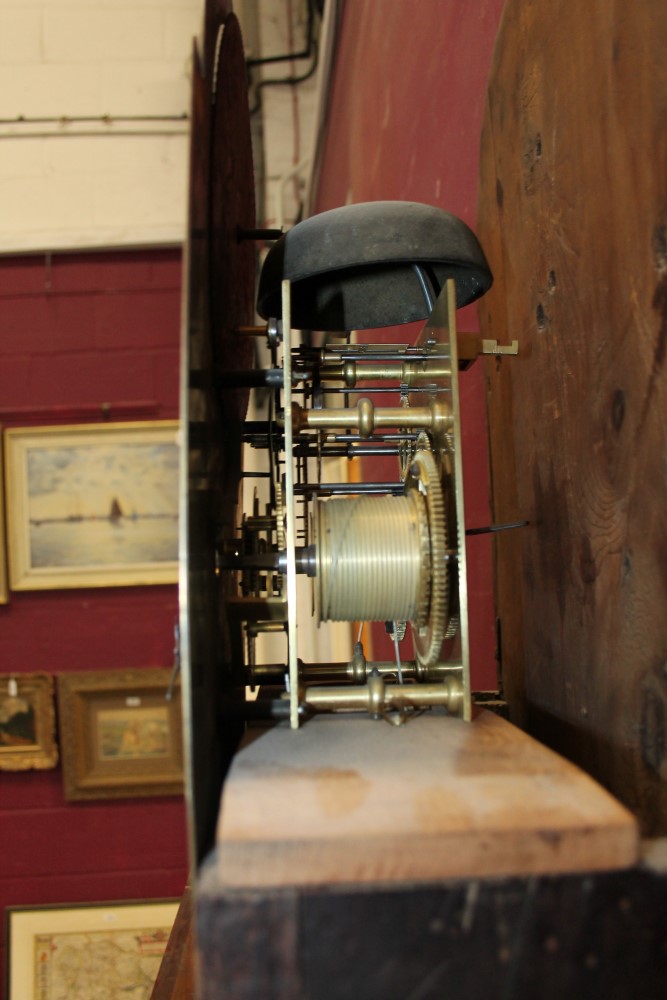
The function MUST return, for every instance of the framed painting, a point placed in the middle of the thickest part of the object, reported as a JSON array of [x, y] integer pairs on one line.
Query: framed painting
[[120, 734], [68, 951], [92, 505], [4, 582], [27, 722]]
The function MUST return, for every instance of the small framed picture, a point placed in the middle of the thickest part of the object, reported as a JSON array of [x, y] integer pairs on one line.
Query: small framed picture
[[27, 722], [92, 505], [67, 951], [4, 581], [120, 734]]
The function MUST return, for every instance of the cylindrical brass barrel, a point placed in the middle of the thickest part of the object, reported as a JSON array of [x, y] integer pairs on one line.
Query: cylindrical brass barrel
[[324, 699], [274, 673], [367, 418], [409, 372], [372, 558]]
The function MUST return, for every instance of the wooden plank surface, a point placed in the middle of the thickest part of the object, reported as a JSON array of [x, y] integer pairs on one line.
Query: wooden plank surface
[[176, 976], [351, 800], [582, 937], [573, 218]]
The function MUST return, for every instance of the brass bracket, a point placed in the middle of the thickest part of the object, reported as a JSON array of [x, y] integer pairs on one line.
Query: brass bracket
[[493, 347], [471, 345]]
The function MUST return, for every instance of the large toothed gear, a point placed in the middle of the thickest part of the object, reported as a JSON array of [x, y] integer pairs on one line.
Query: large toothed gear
[[280, 518], [424, 477]]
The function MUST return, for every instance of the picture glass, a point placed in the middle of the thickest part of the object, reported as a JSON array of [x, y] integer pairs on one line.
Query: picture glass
[[139, 735], [81, 952], [92, 505], [18, 722], [120, 733], [27, 722], [73, 964]]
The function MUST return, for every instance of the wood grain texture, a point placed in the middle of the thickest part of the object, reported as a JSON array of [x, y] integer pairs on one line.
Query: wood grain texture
[[585, 937], [573, 218], [247, 943], [176, 976], [348, 800]]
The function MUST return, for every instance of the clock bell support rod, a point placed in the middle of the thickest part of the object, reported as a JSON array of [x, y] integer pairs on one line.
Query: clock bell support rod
[[290, 509]]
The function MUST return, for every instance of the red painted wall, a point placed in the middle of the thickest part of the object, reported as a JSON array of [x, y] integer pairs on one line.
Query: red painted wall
[[404, 122], [78, 331]]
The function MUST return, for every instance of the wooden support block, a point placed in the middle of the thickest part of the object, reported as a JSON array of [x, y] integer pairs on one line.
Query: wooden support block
[[585, 936], [176, 977], [349, 800]]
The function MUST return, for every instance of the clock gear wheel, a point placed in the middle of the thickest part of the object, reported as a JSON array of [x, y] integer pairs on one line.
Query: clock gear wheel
[[424, 476]]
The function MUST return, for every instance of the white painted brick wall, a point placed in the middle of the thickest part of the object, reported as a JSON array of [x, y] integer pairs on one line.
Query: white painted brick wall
[[284, 146], [90, 35], [20, 36], [70, 58]]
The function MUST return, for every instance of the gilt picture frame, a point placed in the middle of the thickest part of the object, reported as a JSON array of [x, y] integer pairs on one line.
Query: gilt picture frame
[[92, 505], [120, 734], [56, 951], [4, 578], [27, 722]]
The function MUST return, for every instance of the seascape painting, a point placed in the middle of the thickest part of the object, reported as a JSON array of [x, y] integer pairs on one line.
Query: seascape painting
[[93, 506], [97, 505]]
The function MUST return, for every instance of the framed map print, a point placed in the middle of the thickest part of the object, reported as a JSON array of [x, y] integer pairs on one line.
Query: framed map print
[[71, 951]]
